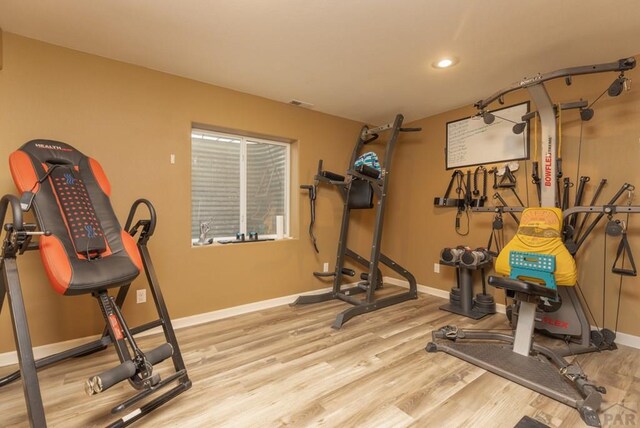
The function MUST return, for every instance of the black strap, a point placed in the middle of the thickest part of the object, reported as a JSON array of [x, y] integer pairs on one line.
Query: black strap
[[312, 189], [476, 192], [456, 178], [456, 174], [624, 247], [457, 223], [493, 237]]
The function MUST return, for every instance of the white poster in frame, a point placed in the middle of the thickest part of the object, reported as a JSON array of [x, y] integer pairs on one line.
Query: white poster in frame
[[471, 141]]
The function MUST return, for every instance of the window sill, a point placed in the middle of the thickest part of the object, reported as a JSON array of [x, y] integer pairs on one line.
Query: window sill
[[245, 242]]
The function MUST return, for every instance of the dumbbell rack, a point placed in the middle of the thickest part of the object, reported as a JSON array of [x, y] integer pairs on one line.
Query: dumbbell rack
[[461, 300]]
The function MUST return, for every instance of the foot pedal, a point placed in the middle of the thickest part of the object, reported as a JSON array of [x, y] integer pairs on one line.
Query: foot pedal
[[107, 379]]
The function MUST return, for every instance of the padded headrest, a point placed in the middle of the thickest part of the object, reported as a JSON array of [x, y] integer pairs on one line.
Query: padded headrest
[[540, 232], [87, 249]]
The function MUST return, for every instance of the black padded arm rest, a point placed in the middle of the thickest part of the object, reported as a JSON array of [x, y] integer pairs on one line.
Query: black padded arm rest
[[368, 171], [332, 176], [520, 286]]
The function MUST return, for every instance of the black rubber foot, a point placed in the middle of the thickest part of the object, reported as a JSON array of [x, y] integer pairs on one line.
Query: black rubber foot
[[431, 347], [527, 422], [589, 416]]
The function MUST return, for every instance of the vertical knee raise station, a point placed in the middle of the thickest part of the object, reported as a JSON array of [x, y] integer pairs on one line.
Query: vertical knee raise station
[[84, 251], [536, 260], [357, 190]]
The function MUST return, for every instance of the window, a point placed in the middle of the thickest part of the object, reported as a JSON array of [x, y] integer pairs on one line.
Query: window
[[238, 185]]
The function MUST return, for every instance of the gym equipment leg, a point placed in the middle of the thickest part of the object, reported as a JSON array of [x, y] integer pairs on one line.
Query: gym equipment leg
[[11, 283]]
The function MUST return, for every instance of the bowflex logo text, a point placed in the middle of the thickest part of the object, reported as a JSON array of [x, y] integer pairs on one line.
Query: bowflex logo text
[[547, 170]]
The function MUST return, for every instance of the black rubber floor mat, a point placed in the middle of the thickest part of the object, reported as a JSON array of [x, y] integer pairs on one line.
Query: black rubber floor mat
[[527, 422]]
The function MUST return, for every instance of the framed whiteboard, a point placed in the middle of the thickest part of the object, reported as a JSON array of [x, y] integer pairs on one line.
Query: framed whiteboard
[[472, 142]]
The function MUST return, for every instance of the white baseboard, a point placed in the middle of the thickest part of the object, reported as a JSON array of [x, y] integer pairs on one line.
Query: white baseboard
[[500, 308], [11, 358], [237, 310], [627, 340]]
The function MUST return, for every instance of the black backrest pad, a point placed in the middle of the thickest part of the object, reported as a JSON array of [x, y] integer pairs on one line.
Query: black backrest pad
[[71, 204], [360, 195]]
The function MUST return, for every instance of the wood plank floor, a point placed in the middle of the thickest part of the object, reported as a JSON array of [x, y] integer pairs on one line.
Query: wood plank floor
[[286, 367]]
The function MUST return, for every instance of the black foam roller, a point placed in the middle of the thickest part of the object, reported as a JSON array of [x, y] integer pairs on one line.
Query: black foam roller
[[161, 353]]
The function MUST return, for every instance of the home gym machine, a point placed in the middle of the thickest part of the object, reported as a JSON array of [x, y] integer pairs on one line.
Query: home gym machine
[[542, 267], [358, 188], [84, 251], [565, 317]]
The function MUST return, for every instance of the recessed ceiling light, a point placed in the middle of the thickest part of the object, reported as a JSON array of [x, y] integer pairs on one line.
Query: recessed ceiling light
[[445, 63]]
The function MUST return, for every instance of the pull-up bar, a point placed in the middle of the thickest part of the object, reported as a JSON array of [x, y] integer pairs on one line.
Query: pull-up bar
[[620, 65]]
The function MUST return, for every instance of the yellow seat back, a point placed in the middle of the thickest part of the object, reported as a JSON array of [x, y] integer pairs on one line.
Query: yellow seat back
[[540, 231]]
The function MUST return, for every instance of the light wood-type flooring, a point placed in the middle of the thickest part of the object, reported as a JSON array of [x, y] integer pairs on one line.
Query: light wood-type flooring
[[287, 367]]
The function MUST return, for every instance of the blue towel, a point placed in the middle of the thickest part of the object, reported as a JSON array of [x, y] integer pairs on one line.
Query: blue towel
[[369, 159]]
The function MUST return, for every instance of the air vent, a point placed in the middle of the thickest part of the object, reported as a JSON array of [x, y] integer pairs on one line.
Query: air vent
[[300, 104]]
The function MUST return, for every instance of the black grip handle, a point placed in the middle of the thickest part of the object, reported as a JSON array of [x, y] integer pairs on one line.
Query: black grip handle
[[15, 210], [368, 171], [332, 176], [107, 379], [324, 274], [349, 272], [160, 353], [152, 216]]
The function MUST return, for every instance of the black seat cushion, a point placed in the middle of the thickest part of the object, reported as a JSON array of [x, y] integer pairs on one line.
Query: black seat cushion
[[520, 286]]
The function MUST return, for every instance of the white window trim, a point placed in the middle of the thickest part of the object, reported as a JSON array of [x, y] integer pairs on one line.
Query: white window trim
[[200, 133], [243, 185]]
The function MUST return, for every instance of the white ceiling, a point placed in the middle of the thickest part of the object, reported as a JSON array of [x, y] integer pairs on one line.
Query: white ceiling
[[360, 59]]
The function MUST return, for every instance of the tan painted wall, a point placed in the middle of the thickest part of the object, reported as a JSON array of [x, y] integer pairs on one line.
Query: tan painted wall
[[416, 231], [131, 119]]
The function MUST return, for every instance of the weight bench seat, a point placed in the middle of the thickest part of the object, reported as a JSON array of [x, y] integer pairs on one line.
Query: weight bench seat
[[85, 248], [520, 286]]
